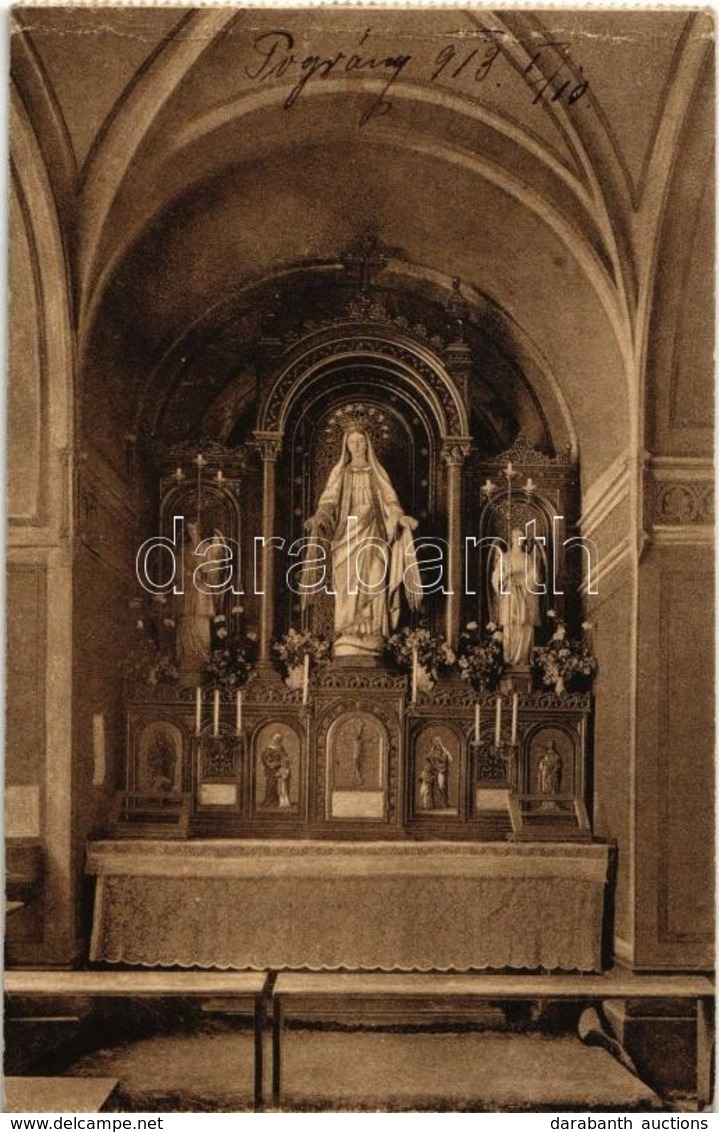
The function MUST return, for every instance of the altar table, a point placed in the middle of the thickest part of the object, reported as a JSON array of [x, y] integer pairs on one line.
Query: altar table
[[319, 905]]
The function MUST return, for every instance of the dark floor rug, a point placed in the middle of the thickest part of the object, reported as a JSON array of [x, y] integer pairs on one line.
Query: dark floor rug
[[211, 1071]]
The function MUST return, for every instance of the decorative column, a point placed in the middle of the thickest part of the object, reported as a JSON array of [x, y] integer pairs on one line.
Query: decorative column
[[454, 450], [268, 445]]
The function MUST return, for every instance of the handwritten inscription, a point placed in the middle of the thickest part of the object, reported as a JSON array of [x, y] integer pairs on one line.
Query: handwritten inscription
[[549, 73]]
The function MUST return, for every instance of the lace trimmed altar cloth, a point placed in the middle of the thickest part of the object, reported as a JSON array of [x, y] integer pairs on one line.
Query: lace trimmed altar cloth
[[400, 906]]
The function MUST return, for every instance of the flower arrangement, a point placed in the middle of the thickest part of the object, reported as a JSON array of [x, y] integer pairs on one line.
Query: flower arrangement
[[433, 653], [231, 666], [147, 663], [480, 656], [292, 648], [563, 659]]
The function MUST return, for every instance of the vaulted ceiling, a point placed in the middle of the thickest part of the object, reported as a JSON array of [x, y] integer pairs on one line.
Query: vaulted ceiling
[[530, 154]]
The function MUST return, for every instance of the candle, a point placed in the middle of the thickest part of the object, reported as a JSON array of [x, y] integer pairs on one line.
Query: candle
[[198, 711], [510, 469], [216, 712], [179, 475], [306, 678], [414, 675], [476, 721], [239, 711], [515, 709], [529, 485], [498, 721], [219, 477]]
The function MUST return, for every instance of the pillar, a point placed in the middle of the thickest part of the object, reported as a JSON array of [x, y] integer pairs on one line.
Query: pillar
[[454, 451], [268, 445]]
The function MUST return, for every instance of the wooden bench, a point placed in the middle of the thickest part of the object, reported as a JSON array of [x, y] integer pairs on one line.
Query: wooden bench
[[153, 984], [297, 988], [58, 1094]]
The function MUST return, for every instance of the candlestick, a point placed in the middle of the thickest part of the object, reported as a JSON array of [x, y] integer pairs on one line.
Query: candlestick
[[306, 678], [476, 721], [238, 721], [414, 675], [515, 709], [529, 485], [216, 712], [498, 721], [198, 711]]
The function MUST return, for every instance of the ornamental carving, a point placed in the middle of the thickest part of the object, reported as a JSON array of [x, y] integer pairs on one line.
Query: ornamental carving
[[455, 449], [524, 454], [491, 763], [218, 757], [268, 445], [684, 502], [464, 697], [231, 461], [451, 422], [371, 678]]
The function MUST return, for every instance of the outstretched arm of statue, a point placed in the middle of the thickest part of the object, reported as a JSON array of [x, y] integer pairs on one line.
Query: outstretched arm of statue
[[320, 524]]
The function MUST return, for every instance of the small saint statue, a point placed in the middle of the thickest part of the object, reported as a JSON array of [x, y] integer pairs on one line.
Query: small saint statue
[[197, 605], [276, 764], [549, 777], [373, 555], [434, 777], [516, 578]]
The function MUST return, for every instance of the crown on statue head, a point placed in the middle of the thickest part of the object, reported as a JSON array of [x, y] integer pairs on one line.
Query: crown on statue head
[[363, 418]]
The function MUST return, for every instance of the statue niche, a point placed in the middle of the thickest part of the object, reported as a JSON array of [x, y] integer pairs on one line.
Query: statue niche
[[371, 460], [361, 519]]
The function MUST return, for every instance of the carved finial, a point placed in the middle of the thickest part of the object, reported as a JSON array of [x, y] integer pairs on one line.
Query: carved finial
[[364, 258], [458, 311]]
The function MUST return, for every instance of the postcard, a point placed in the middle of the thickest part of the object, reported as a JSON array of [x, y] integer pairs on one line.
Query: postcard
[[360, 560]]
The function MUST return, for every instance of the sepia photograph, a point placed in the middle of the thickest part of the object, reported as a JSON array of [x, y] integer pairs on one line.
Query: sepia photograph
[[360, 633]]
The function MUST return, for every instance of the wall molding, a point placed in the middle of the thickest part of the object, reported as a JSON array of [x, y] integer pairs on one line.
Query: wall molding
[[616, 557], [603, 496]]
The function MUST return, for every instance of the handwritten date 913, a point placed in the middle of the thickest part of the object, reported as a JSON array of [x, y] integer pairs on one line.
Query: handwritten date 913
[[549, 72]]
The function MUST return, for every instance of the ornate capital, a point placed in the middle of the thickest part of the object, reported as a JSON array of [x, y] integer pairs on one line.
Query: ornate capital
[[268, 445], [455, 449]]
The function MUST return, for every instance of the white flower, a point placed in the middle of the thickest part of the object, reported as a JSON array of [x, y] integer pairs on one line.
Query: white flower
[[471, 626], [222, 633], [252, 636], [238, 609], [140, 623], [169, 621], [551, 613], [219, 618], [491, 627], [587, 625]]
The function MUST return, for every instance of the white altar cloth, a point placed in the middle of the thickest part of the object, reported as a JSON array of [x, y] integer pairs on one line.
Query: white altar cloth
[[318, 905]]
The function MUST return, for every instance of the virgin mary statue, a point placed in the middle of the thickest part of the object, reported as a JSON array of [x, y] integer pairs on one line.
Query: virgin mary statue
[[373, 555]]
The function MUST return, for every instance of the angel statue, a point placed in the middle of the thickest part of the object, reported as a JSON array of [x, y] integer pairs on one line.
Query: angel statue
[[373, 554], [516, 578], [197, 605]]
